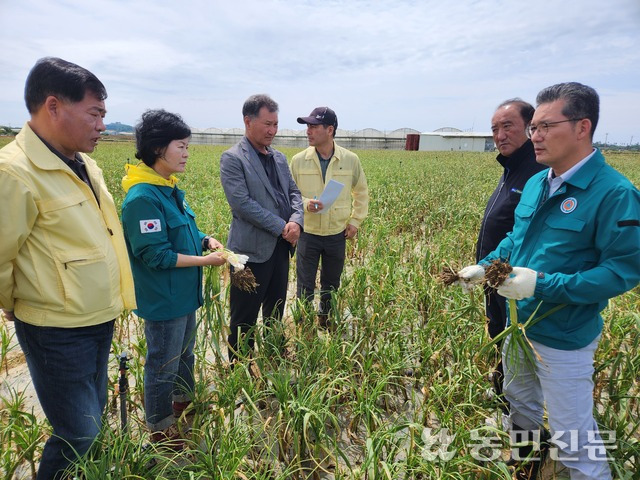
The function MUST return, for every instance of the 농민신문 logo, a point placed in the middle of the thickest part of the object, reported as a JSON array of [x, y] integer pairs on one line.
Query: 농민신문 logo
[[485, 445]]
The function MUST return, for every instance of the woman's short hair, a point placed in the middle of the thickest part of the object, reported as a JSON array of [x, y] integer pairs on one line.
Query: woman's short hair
[[155, 131]]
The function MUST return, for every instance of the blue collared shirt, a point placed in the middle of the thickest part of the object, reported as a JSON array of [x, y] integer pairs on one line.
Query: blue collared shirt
[[555, 182]]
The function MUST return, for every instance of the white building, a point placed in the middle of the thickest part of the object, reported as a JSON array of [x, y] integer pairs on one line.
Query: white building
[[451, 139]]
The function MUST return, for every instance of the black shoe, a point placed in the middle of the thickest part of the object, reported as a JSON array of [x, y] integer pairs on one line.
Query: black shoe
[[496, 378], [323, 321], [529, 452]]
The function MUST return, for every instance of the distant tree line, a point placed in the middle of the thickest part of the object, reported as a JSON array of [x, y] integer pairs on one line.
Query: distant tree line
[[615, 147], [119, 127], [113, 127]]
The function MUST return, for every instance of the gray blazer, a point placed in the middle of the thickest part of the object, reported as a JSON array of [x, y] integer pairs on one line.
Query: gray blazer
[[256, 225]]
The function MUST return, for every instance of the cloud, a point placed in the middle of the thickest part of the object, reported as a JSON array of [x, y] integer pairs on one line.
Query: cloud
[[387, 64]]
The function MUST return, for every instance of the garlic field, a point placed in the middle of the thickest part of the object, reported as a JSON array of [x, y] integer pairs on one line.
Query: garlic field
[[398, 391]]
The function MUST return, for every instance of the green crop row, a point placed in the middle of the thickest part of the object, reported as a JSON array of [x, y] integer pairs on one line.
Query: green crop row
[[399, 390]]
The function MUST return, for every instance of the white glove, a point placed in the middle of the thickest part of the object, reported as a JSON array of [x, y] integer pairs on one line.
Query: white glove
[[520, 284], [470, 277]]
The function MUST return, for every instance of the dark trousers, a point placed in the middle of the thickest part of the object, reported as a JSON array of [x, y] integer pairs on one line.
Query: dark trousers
[[312, 249], [271, 294], [68, 367], [496, 308]]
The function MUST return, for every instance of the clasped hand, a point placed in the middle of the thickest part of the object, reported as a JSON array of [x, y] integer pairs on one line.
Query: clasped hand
[[291, 233]]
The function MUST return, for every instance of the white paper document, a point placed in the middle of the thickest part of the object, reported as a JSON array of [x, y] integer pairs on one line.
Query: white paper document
[[329, 195]]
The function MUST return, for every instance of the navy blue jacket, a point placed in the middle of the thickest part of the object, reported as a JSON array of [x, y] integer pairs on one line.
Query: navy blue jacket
[[498, 216]]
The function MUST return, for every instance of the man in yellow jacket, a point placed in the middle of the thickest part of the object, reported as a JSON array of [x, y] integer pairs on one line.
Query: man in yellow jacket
[[326, 227], [64, 269]]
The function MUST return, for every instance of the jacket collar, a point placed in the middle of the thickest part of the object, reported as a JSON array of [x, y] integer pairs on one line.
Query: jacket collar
[[586, 174], [39, 154], [254, 161], [248, 147], [141, 173], [311, 152], [43, 158], [518, 157]]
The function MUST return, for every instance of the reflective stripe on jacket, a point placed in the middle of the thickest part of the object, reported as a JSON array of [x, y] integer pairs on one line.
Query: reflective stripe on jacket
[[585, 239]]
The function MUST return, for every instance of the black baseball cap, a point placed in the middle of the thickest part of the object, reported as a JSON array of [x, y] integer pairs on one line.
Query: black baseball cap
[[320, 116]]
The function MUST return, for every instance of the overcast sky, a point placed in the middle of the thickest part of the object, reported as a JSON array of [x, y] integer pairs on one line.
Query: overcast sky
[[381, 64]]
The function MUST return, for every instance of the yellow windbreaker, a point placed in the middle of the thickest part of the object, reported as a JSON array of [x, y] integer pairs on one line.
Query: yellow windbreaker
[[63, 259], [352, 205]]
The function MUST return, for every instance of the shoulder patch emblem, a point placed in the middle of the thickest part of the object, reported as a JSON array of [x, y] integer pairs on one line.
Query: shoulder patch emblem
[[150, 226], [568, 205]]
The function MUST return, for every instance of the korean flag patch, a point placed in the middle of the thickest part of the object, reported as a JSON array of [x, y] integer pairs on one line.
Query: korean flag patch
[[150, 226]]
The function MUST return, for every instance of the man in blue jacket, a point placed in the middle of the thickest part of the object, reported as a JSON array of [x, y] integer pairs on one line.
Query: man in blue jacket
[[575, 244]]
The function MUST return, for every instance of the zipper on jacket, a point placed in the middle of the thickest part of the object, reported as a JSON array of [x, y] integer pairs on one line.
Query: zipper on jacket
[[495, 200]]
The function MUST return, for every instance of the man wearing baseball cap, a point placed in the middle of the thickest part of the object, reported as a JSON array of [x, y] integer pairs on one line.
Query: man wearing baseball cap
[[326, 229]]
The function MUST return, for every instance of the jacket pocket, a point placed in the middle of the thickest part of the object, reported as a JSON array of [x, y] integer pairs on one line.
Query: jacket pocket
[[73, 220], [570, 238], [87, 281], [176, 221], [340, 216], [524, 211], [309, 182], [565, 223], [178, 234], [345, 177], [61, 202]]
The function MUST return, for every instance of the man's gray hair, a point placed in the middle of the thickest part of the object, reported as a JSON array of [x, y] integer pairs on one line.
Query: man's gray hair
[[254, 103], [581, 101], [526, 109]]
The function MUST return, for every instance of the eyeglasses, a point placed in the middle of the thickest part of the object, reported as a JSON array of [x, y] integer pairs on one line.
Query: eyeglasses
[[543, 128]]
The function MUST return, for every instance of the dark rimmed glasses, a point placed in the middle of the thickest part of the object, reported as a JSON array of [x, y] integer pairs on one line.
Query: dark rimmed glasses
[[543, 128]]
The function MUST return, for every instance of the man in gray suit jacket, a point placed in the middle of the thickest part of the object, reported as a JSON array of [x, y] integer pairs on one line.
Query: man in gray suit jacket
[[267, 218]]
